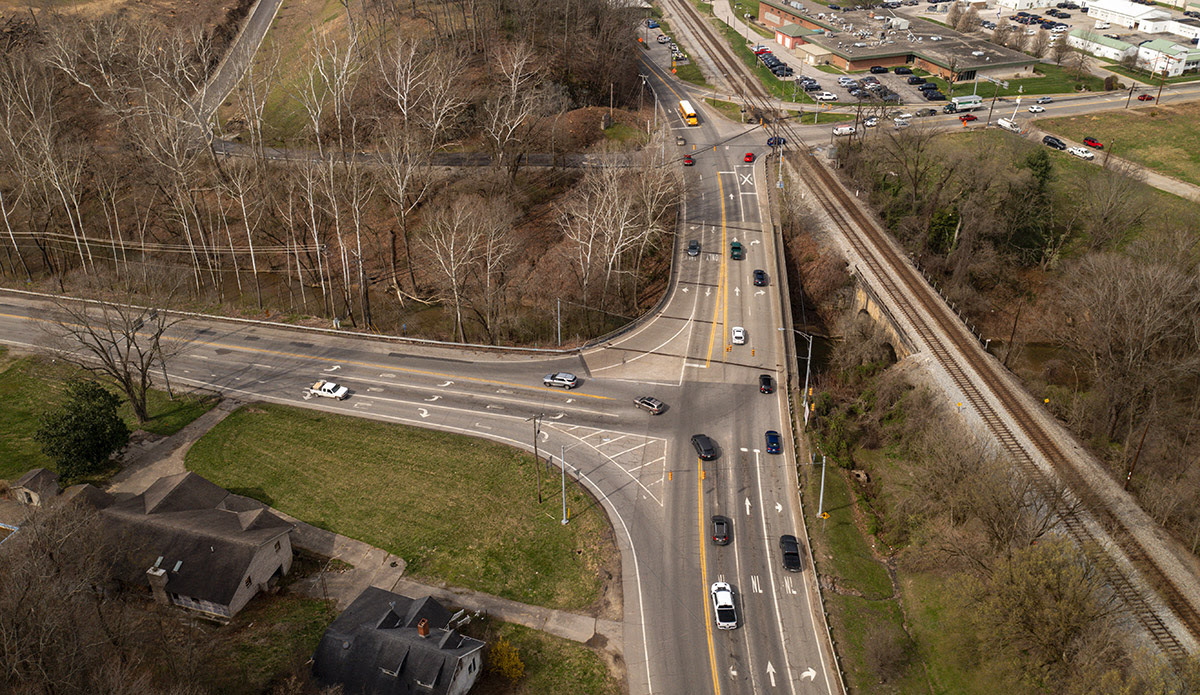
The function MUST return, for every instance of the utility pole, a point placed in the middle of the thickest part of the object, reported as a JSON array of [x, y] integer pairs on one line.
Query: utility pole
[[562, 460], [537, 461], [821, 499], [1129, 475], [558, 321]]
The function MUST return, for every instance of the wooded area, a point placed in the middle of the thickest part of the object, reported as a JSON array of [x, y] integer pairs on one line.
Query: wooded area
[[112, 177]]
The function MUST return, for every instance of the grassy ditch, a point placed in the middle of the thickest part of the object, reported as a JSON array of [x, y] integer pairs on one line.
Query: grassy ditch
[[457, 509], [32, 386]]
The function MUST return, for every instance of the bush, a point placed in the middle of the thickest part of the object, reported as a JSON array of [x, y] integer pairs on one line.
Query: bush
[[887, 651], [81, 436], [505, 660]]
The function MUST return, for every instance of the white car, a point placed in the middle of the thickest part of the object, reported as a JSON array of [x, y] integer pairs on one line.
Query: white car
[[328, 389], [901, 122], [723, 608], [844, 130], [739, 335], [825, 96], [1081, 152], [566, 380], [1036, 109], [871, 122], [903, 115]]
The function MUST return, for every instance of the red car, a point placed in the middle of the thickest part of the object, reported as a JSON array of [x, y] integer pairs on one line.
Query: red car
[[1145, 97], [749, 157], [688, 161], [1093, 142], [968, 117]]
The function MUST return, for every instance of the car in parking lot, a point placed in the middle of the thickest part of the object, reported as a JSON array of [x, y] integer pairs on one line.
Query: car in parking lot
[[810, 86], [825, 96], [693, 248], [968, 117], [723, 609], [737, 335], [871, 122], [749, 157], [720, 530], [662, 39], [916, 79], [1051, 141], [1093, 142], [760, 278], [934, 95], [1037, 109], [1081, 152], [1145, 97], [706, 449], [878, 69], [566, 380], [766, 384], [774, 442], [790, 548], [651, 404], [901, 70]]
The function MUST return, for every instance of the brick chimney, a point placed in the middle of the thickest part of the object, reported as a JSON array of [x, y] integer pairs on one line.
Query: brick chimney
[[423, 627], [158, 584]]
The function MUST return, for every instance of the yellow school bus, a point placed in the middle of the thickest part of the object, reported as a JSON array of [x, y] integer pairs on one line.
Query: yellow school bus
[[688, 114]]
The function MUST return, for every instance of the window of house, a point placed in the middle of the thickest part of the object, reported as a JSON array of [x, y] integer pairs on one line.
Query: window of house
[[248, 581]]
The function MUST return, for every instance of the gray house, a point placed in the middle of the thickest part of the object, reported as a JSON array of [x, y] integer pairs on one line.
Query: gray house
[[36, 487], [195, 544], [388, 644]]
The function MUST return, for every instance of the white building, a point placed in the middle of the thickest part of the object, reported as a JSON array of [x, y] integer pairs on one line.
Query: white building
[[1124, 13], [1160, 55], [1019, 5], [1092, 41]]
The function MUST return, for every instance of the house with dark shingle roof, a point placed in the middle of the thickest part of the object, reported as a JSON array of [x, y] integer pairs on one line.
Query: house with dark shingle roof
[[38, 486], [195, 544], [388, 644]]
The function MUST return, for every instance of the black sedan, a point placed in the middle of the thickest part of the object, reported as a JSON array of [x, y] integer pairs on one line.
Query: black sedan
[[706, 449], [791, 553], [720, 530]]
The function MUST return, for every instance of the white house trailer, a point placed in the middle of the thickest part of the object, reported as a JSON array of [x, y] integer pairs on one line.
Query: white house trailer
[[1092, 41]]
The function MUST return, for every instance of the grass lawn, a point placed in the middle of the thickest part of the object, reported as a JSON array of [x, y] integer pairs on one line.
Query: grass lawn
[[1053, 80], [622, 133], [31, 386], [457, 509], [1165, 139], [814, 117], [831, 70], [1143, 76], [552, 664], [841, 549], [686, 71], [728, 109]]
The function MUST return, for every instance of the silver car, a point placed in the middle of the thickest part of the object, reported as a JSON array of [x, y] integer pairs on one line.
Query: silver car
[[566, 380]]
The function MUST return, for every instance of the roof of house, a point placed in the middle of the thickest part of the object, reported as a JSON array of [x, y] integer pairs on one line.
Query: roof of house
[[374, 646], [1093, 36], [794, 30], [1127, 8], [86, 493], [1170, 48], [40, 480], [203, 536]]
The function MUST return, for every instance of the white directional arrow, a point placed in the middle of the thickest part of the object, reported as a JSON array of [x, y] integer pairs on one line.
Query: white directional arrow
[[387, 375], [737, 291], [374, 388], [756, 241], [570, 400], [771, 673], [707, 291], [760, 292], [558, 416], [432, 399], [778, 507], [545, 436], [810, 674], [747, 506], [482, 426], [423, 412], [446, 384], [732, 672], [306, 395], [503, 391], [685, 290], [495, 407], [731, 196], [334, 368], [362, 404]]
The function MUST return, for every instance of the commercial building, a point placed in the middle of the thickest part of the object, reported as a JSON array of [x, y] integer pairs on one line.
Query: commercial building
[[1093, 42], [861, 39], [1161, 56], [1125, 13]]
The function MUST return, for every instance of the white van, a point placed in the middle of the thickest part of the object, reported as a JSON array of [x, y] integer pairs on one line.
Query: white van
[[1009, 125], [844, 130], [1103, 25]]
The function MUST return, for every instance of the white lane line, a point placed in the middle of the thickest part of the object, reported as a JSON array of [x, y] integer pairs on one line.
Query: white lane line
[[583, 440], [787, 666], [648, 463], [737, 564], [639, 446], [472, 394]]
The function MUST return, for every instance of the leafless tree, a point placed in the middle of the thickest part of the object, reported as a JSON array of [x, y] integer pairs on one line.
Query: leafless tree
[[1000, 33], [452, 237], [507, 115], [122, 342], [496, 249], [954, 14], [406, 181], [1111, 203], [969, 23], [1059, 50], [1079, 64], [1040, 43]]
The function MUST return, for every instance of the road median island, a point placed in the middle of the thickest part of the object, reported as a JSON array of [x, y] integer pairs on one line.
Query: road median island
[[459, 510]]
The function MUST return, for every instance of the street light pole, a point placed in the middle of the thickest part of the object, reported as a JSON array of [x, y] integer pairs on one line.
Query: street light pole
[[807, 370], [821, 498], [563, 462], [537, 461]]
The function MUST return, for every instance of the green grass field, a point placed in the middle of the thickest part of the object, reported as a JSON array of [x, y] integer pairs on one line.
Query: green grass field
[[457, 509], [552, 664], [686, 71], [1053, 80], [31, 386], [848, 555], [1143, 76], [1165, 139]]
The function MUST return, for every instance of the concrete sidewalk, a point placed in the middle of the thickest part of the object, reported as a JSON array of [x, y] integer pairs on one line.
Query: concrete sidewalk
[[161, 457]]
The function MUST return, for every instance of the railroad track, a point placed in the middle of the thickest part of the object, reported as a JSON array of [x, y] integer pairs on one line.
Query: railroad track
[[949, 343]]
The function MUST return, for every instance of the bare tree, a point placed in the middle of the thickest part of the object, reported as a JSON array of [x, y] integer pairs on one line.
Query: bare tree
[[507, 115], [122, 342], [496, 249], [1079, 64], [1040, 43], [1059, 50], [1111, 203], [452, 237]]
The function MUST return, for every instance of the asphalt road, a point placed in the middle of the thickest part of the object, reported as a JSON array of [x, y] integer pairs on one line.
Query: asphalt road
[[642, 467]]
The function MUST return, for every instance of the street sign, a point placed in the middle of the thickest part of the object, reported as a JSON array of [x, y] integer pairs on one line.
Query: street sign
[[1002, 83]]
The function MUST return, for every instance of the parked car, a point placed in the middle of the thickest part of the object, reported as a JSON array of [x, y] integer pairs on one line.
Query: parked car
[[693, 248], [760, 278], [566, 380], [1081, 152], [926, 86], [328, 389], [706, 449], [1051, 141], [737, 335], [720, 530], [871, 122], [1145, 97], [811, 87], [766, 384], [934, 95], [901, 70], [651, 404], [1093, 142], [916, 79], [790, 549], [968, 117], [825, 96], [878, 69], [774, 442]]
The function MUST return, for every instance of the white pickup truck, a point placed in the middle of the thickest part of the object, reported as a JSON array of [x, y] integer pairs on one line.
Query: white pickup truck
[[328, 389]]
